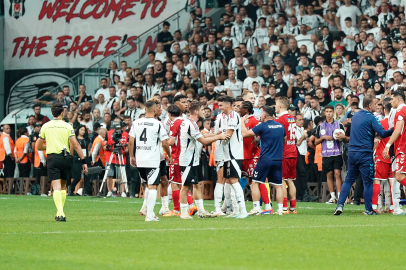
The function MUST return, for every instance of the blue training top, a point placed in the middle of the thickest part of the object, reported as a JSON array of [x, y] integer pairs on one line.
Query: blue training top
[[272, 136], [363, 127]]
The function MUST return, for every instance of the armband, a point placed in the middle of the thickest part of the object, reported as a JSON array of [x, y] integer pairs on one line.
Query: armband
[[83, 161], [388, 145]]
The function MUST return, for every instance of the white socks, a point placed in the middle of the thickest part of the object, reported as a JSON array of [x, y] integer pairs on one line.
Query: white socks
[[333, 195], [338, 195], [227, 197], [184, 208], [268, 206], [165, 202], [256, 205], [200, 207], [386, 190], [396, 195], [218, 197], [151, 199], [280, 207], [234, 202], [239, 195], [146, 192]]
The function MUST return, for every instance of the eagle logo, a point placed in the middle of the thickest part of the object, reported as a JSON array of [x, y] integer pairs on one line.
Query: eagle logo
[[17, 8]]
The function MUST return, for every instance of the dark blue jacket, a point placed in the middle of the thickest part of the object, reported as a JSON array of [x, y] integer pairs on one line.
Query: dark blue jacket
[[363, 127]]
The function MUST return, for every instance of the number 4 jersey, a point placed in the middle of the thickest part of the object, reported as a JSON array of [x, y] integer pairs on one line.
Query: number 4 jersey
[[148, 134], [289, 123]]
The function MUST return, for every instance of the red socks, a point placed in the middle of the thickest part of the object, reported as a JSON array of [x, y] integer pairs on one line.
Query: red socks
[[376, 189], [189, 198], [264, 193], [175, 199], [285, 202], [293, 204]]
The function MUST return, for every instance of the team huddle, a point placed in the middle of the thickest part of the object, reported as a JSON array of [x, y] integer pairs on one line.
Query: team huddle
[[263, 149]]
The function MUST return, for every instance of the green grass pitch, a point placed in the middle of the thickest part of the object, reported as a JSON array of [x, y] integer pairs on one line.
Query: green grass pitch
[[109, 234]]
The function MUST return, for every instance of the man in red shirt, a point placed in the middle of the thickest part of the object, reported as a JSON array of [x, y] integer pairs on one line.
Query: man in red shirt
[[289, 153], [252, 152], [114, 162], [383, 168], [398, 138]]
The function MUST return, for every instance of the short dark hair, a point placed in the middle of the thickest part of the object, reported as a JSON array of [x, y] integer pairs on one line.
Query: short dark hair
[[166, 24], [194, 106], [329, 107], [179, 97], [399, 93], [174, 110], [226, 99], [248, 106], [57, 109], [270, 111], [367, 101], [388, 107]]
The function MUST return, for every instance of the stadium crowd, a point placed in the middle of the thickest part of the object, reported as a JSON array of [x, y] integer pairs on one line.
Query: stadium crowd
[[323, 57]]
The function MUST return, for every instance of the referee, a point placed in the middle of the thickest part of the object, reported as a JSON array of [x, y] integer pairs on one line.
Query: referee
[[58, 134]]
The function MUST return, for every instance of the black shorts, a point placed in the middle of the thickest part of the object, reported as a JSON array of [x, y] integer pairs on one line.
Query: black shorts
[[232, 169], [59, 167], [332, 163], [163, 168], [151, 176], [189, 175], [271, 169]]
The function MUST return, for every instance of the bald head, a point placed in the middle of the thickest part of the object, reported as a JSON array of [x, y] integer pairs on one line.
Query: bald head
[[102, 132]]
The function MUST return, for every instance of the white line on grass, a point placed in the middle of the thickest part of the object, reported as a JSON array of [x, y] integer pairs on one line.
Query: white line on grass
[[205, 229]]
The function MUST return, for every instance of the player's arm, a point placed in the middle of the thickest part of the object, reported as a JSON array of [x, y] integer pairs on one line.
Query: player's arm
[[171, 141], [310, 143], [245, 132], [393, 138], [319, 140], [165, 146], [301, 139], [76, 145], [214, 138]]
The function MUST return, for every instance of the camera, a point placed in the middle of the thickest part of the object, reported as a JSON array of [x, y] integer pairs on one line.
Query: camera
[[117, 134]]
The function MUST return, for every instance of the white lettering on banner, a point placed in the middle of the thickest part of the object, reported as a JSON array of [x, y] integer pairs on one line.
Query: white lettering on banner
[[47, 34]]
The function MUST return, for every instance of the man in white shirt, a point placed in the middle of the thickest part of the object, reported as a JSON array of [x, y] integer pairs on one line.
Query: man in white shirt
[[101, 103], [232, 85], [345, 11], [304, 38], [178, 40], [238, 29], [103, 90], [350, 32], [227, 36], [160, 53], [261, 32], [312, 20], [252, 71], [132, 109], [211, 67]]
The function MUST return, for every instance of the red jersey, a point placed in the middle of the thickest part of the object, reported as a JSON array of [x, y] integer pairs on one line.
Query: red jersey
[[124, 140], [289, 123], [175, 132], [250, 149], [400, 143], [382, 143]]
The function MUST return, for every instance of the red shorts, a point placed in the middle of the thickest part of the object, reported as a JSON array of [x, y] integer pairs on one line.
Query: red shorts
[[174, 174], [289, 168], [248, 166], [383, 170], [400, 163]]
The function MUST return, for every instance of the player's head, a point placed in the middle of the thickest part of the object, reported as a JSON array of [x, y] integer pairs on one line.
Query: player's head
[[397, 97], [246, 108], [237, 104], [225, 104], [268, 113], [249, 96], [173, 111], [150, 108], [158, 110], [369, 103], [196, 109], [181, 102], [329, 112], [282, 104], [57, 109]]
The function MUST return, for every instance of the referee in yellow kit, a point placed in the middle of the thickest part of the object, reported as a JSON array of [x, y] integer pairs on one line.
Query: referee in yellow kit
[[58, 134]]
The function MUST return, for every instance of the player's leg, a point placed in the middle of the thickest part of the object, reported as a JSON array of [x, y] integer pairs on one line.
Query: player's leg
[[260, 174], [291, 184], [188, 179], [234, 174], [264, 190], [153, 179], [230, 203], [337, 166], [352, 174], [376, 190], [381, 173], [275, 179], [218, 190], [164, 189], [327, 167], [399, 174], [285, 177]]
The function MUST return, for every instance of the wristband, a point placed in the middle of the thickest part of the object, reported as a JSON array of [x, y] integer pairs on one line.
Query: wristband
[[388, 145], [83, 161]]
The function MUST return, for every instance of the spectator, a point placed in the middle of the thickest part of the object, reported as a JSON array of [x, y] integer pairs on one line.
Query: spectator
[[165, 37], [103, 90]]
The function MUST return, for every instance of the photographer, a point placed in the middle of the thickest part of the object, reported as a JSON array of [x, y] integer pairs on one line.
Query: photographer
[[116, 137]]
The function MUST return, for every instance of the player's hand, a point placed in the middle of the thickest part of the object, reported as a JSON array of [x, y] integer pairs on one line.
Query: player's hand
[[224, 136], [170, 160], [256, 141], [218, 132], [132, 161], [244, 119], [92, 163], [328, 138], [84, 167], [340, 136], [385, 153]]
